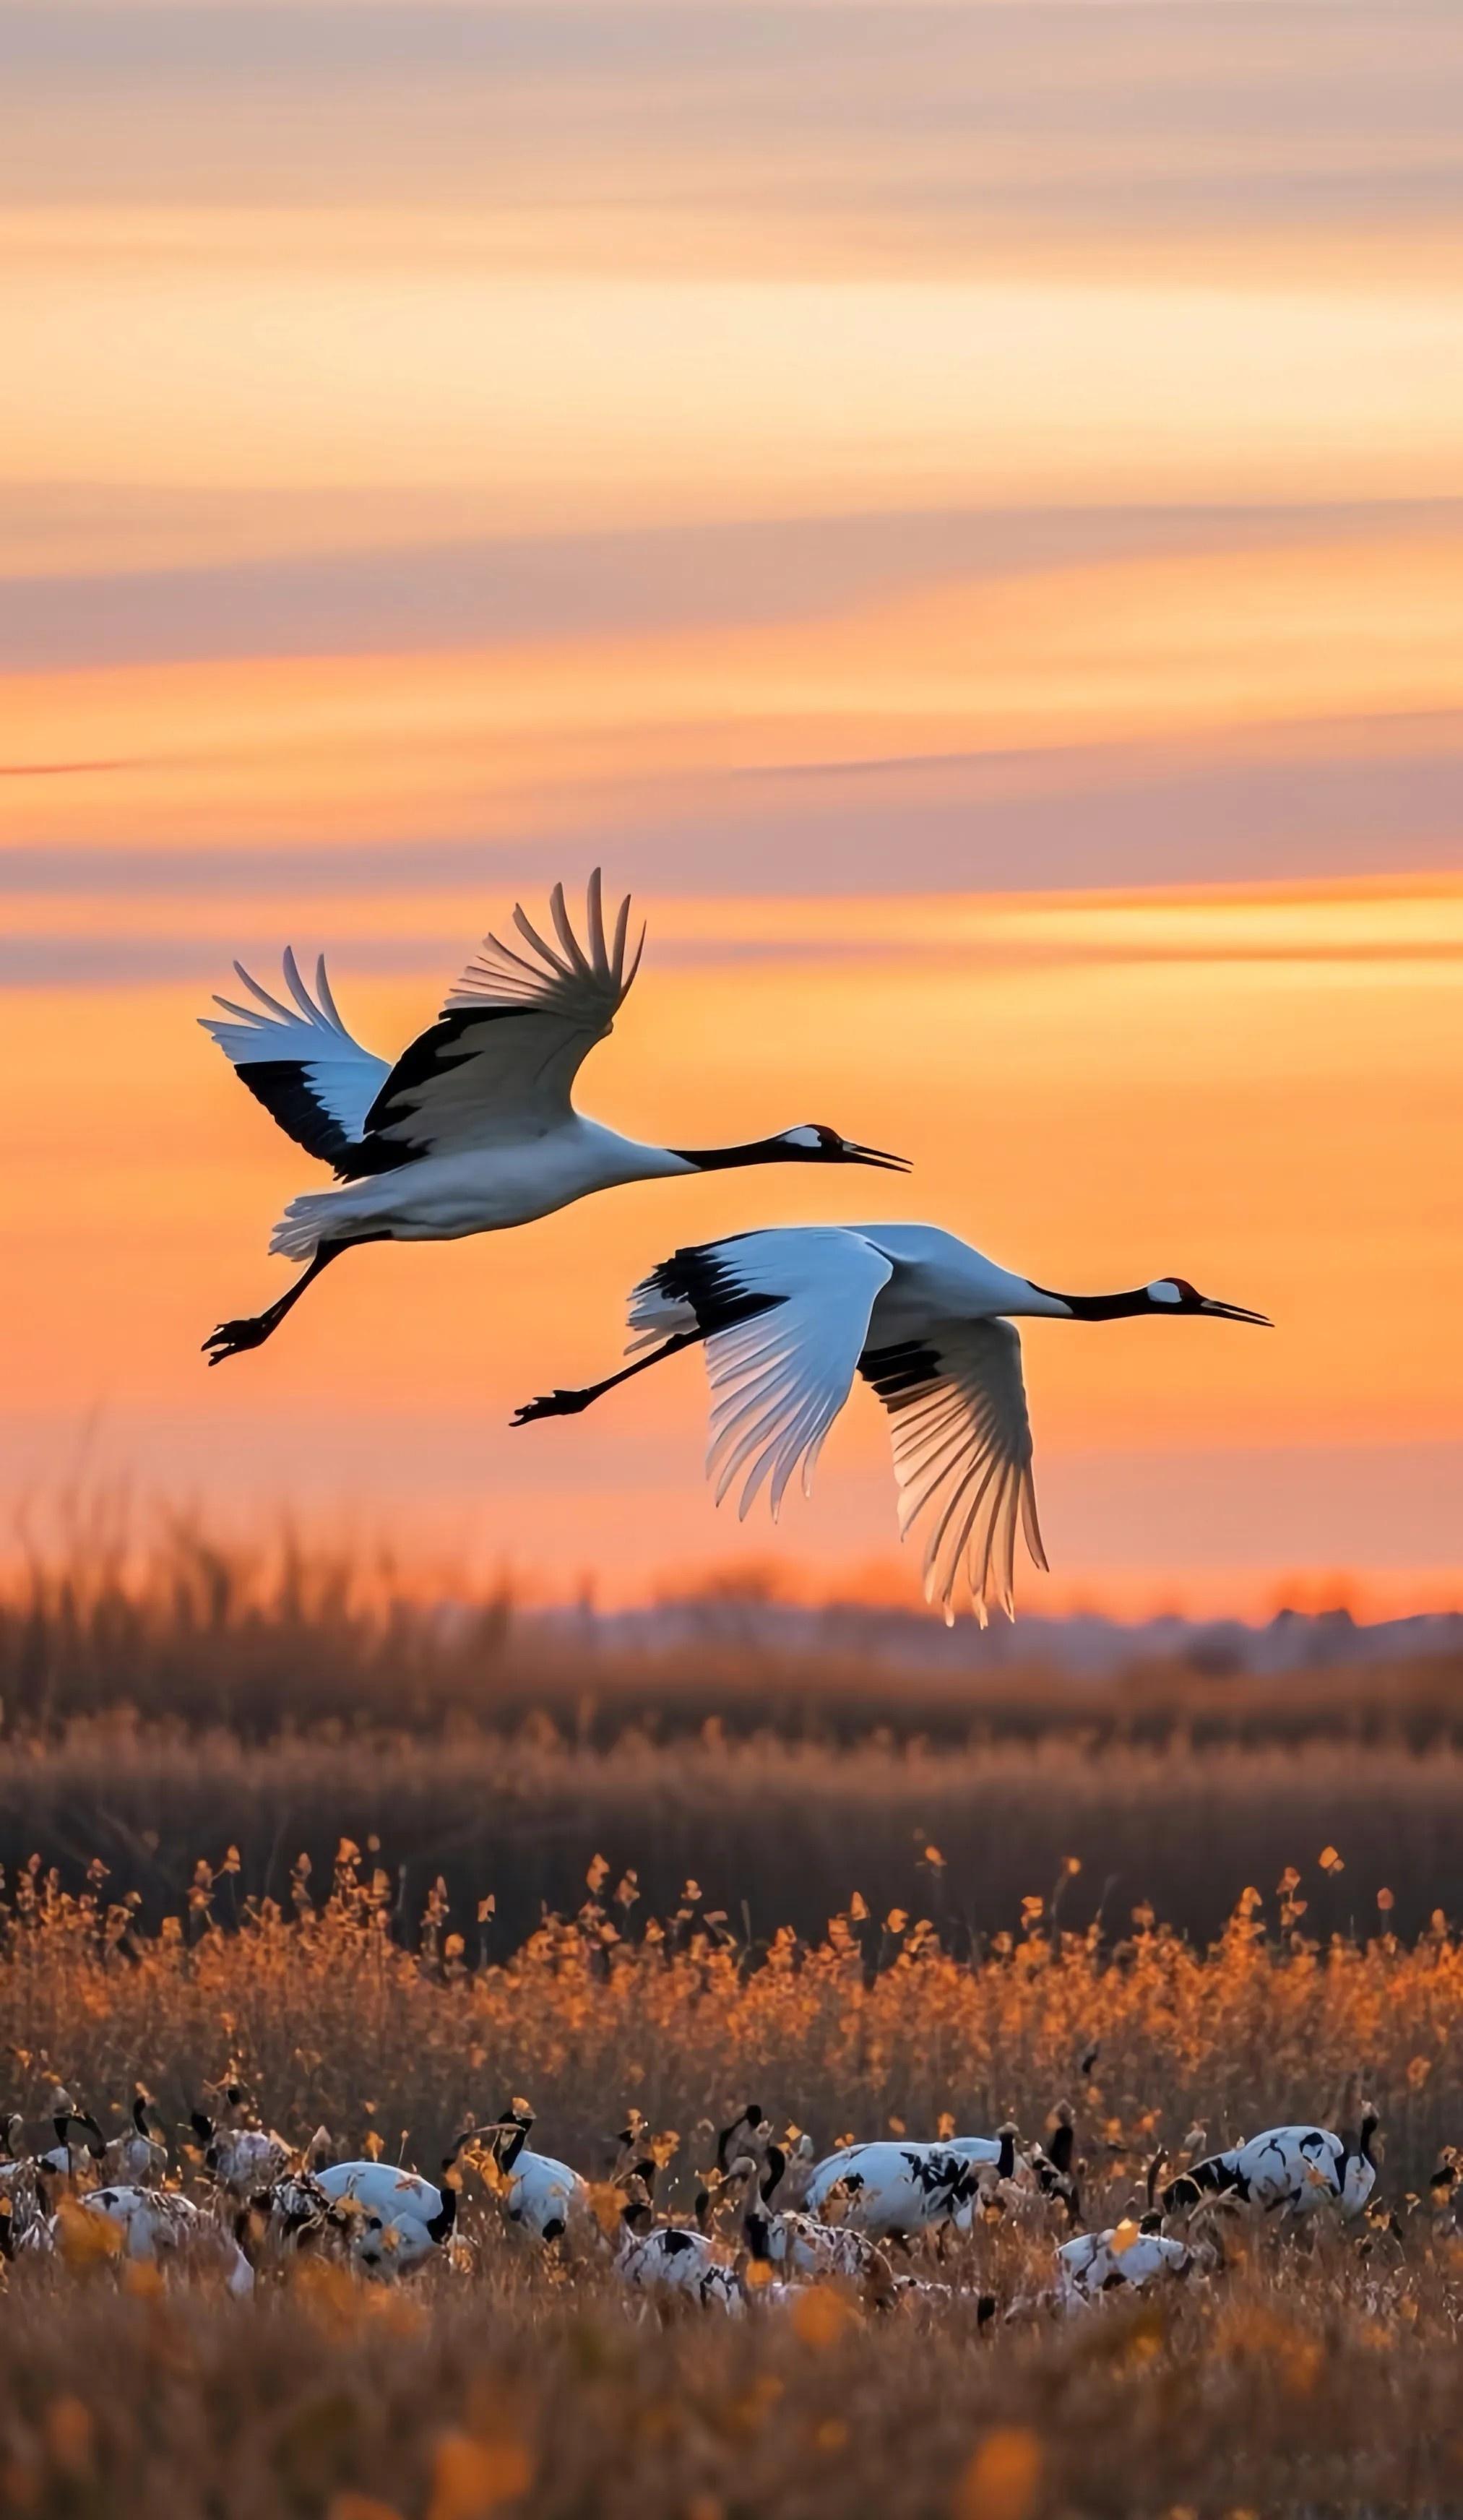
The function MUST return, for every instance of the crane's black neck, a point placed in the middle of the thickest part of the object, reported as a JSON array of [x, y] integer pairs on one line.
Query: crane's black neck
[[1121, 1307], [440, 2224], [722, 1159]]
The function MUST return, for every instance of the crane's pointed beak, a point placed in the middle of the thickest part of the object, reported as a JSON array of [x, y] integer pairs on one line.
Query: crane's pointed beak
[[1233, 1313], [854, 1154]]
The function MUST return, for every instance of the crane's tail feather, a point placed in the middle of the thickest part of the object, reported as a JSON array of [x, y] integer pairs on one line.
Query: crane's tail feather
[[657, 1312], [304, 1225]]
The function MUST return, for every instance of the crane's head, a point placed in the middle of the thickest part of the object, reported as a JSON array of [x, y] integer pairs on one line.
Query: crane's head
[[812, 1143], [1177, 1295]]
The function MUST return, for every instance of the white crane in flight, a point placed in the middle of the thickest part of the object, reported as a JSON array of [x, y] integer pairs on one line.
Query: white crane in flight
[[787, 1318], [474, 1128]]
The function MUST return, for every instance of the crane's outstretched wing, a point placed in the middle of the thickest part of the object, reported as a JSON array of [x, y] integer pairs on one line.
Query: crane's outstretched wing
[[784, 1315], [962, 1456], [500, 1063], [310, 1073]]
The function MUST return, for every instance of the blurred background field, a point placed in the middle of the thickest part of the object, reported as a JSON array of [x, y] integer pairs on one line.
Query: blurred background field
[[1302, 2391], [164, 1702]]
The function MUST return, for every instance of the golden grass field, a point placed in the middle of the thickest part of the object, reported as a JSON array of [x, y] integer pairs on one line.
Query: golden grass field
[[1317, 2373], [1308, 2375]]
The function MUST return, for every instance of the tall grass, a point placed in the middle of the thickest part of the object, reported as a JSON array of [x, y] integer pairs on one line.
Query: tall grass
[[337, 2020], [1302, 2379], [791, 1827]]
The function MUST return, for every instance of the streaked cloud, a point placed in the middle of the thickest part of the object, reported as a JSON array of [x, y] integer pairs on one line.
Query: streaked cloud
[[697, 135], [469, 591]]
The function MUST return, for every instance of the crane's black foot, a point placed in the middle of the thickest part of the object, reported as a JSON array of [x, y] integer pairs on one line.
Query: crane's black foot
[[232, 1338], [554, 1404]]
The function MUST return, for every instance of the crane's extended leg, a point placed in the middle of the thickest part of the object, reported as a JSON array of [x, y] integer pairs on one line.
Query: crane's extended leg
[[231, 1338], [568, 1404]]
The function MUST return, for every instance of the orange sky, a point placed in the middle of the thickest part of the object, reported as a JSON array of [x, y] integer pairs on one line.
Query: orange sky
[[978, 546]]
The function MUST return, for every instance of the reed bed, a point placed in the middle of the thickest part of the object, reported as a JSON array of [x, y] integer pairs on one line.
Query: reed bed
[[333, 2020], [1316, 2375], [778, 1830]]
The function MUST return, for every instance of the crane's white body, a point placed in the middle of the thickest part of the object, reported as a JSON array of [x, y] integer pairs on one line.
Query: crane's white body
[[387, 2214], [935, 1276], [542, 2194], [799, 2245], [1100, 2261], [139, 2160], [397, 2195], [688, 2264], [136, 2158], [476, 1189], [888, 2189], [244, 2160], [155, 2227], [1290, 2169]]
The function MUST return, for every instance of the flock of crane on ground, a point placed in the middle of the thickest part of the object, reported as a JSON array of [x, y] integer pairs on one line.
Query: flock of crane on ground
[[883, 2220], [474, 1130]]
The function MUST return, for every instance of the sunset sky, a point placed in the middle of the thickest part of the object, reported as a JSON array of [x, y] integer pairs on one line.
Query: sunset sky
[[961, 509]]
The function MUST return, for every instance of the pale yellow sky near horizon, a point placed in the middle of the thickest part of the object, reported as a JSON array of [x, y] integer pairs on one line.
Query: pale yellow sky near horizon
[[963, 509]]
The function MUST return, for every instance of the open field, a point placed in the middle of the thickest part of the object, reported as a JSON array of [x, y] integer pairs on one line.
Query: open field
[[872, 1903], [1301, 2376]]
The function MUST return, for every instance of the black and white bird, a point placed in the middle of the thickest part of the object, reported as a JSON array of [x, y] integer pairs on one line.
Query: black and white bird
[[67, 2158], [156, 2226], [138, 2157], [891, 2190], [1290, 2170], [474, 1128], [792, 2242], [540, 2195], [243, 2159], [669, 2260], [15, 2164], [1124, 2258], [392, 2220], [788, 1316]]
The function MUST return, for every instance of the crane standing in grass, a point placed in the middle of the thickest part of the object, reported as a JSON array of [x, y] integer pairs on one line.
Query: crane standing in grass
[[1289, 2170]]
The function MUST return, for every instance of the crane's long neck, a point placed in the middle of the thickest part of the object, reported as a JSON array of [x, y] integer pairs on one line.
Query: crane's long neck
[[721, 1159], [631, 1159], [1121, 1307]]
